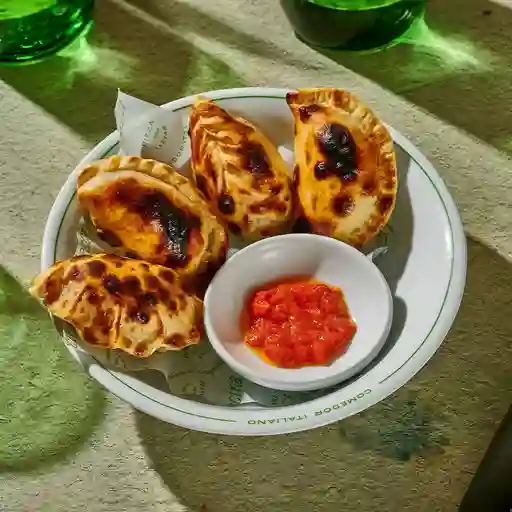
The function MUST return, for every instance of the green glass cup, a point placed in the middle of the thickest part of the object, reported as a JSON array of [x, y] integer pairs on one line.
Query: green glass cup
[[32, 29], [352, 24]]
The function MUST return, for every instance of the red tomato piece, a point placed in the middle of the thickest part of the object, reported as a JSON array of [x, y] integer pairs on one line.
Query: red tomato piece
[[254, 340], [299, 323], [260, 307], [278, 313], [303, 353], [321, 353]]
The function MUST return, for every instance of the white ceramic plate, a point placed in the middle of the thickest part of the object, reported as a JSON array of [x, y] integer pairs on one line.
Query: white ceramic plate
[[425, 267]]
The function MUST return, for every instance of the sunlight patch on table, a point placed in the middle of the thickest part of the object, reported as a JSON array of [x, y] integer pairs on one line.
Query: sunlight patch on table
[[503, 3], [452, 52], [102, 65]]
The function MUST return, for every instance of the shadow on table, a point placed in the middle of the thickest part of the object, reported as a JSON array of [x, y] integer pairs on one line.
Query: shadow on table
[[392, 264], [438, 425], [186, 19], [48, 406], [459, 67], [136, 54]]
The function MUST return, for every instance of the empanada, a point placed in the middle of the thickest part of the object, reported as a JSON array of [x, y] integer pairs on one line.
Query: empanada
[[346, 174], [153, 212], [240, 172], [116, 302]]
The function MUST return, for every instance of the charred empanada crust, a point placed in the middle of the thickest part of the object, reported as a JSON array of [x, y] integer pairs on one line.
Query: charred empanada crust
[[345, 172], [120, 303], [153, 212], [240, 172]]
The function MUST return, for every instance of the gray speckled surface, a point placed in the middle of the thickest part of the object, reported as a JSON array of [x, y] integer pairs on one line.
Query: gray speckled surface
[[416, 451]]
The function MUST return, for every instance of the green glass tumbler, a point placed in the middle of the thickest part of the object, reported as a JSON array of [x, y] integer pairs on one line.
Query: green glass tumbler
[[32, 29], [352, 24]]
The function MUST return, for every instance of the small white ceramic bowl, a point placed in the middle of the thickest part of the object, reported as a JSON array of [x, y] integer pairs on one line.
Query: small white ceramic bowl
[[366, 292]]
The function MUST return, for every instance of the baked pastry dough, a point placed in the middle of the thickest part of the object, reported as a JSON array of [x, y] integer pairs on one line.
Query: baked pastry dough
[[153, 212], [346, 174], [240, 172], [120, 303]]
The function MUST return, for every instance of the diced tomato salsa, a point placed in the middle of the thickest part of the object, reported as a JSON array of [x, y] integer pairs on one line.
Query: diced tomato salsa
[[298, 322]]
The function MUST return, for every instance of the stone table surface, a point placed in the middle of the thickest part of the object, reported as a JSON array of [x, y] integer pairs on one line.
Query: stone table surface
[[66, 444]]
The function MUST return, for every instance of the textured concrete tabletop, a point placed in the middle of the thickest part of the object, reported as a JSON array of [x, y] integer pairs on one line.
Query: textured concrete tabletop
[[66, 445]]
